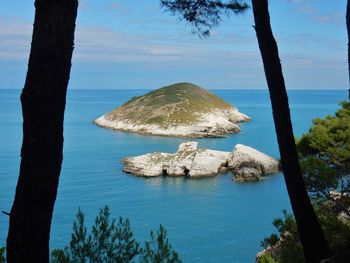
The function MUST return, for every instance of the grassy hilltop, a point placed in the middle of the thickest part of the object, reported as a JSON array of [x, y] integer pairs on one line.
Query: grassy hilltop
[[180, 103]]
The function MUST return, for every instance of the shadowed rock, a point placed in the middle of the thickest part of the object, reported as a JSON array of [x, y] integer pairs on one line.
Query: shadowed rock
[[249, 164]]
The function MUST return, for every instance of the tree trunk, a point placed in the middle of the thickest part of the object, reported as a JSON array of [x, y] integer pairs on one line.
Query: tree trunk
[[312, 238], [348, 30], [43, 103]]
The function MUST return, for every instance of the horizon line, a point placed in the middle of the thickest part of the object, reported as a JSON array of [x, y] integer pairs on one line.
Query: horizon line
[[259, 89]]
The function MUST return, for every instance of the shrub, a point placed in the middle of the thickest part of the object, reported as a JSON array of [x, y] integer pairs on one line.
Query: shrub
[[324, 154], [158, 250], [285, 247], [2, 254], [112, 241], [267, 257]]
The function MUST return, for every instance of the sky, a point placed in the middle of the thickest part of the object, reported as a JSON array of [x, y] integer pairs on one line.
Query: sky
[[123, 44]]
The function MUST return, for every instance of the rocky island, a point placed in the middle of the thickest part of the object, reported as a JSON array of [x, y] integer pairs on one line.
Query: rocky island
[[182, 109], [246, 163]]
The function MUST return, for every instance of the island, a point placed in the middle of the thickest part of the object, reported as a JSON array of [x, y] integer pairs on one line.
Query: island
[[246, 163], [180, 110]]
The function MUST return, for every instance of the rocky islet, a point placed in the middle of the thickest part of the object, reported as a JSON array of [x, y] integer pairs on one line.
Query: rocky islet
[[246, 163], [178, 110]]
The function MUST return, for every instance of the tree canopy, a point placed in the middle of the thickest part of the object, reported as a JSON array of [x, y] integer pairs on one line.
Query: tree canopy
[[203, 15], [113, 241], [325, 158], [329, 140], [324, 154]]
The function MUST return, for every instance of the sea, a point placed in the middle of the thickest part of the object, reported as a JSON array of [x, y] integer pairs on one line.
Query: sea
[[207, 220]]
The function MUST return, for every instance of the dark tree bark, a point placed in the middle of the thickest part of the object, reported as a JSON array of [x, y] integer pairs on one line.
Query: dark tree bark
[[348, 30], [43, 103], [312, 238]]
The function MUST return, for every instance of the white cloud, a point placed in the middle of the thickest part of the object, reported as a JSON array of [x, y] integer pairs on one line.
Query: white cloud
[[334, 17], [230, 54], [15, 38], [83, 4], [119, 8], [99, 44]]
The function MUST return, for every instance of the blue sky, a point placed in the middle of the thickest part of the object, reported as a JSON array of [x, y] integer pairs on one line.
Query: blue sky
[[124, 44]]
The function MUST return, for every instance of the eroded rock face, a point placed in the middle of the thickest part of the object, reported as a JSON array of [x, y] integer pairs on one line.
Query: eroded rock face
[[208, 163], [246, 163], [182, 159], [149, 165], [249, 164]]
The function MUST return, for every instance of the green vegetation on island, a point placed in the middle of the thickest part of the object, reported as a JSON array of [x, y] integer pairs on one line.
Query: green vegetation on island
[[180, 103], [179, 110]]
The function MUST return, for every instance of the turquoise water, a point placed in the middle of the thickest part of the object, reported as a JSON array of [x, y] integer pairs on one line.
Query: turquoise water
[[208, 220]]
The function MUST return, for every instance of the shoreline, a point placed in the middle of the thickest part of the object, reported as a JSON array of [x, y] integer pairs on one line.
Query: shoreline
[[212, 125]]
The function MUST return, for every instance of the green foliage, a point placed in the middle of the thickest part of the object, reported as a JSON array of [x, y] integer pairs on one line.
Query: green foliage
[[113, 241], [324, 154], [59, 256], [203, 15], [158, 250], [2, 254], [110, 241], [80, 245], [267, 258], [329, 140], [287, 246], [156, 119], [319, 178], [337, 231]]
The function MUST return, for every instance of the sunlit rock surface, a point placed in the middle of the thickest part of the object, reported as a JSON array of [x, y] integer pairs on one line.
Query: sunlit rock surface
[[246, 163]]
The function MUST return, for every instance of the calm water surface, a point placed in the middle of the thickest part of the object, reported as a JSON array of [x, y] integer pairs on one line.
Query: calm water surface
[[208, 220]]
